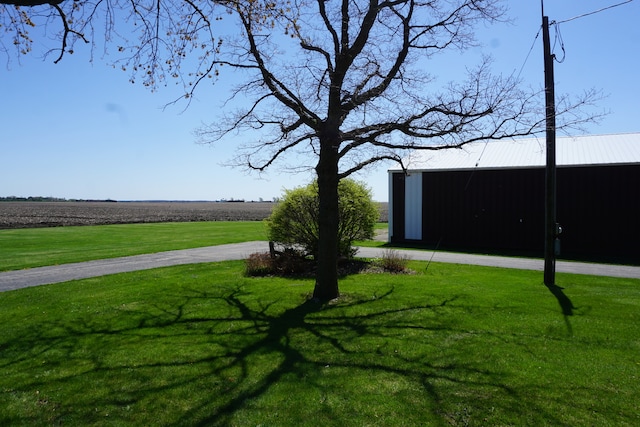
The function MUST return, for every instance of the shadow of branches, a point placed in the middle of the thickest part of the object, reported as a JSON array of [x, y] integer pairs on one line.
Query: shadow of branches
[[212, 357]]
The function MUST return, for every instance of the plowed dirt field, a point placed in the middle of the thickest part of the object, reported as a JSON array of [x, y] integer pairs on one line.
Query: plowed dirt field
[[54, 214]]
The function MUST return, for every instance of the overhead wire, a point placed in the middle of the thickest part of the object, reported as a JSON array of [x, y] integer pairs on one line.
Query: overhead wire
[[595, 11], [558, 39], [529, 53], [556, 25]]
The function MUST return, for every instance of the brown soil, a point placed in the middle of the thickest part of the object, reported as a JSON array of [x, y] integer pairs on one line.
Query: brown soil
[[54, 214]]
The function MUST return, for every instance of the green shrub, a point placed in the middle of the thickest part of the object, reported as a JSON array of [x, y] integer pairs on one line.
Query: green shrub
[[294, 221]]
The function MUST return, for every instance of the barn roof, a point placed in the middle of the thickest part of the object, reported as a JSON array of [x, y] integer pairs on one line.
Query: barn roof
[[530, 152]]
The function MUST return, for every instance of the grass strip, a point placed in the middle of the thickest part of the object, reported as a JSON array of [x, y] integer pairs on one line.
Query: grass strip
[[204, 345], [35, 247]]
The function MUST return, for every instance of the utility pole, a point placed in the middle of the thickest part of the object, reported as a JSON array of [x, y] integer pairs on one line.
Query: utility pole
[[551, 226]]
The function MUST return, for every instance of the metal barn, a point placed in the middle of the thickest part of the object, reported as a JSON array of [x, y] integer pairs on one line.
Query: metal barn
[[490, 197]]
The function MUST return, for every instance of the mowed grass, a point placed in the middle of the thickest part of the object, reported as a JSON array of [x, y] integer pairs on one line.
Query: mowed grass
[[204, 345], [35, 247]]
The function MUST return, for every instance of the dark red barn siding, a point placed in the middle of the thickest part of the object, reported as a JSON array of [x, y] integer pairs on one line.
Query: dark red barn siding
[[482, 209], [397, 206], [599, 210], [503, 210]]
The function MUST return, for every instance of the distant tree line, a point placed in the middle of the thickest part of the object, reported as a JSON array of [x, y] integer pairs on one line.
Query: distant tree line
[[47, 199]]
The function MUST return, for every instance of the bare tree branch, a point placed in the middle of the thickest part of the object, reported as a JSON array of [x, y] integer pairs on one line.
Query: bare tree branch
[[67, 31], [31, 3]]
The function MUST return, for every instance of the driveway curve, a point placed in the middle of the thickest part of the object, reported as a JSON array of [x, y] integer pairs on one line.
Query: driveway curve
[[17, 279]]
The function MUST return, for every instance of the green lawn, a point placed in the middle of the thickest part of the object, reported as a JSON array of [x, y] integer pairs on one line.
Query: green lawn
[[204, 345], [35, 247]]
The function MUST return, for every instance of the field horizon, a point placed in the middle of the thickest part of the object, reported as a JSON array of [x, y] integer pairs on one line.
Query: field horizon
[[34, 214]]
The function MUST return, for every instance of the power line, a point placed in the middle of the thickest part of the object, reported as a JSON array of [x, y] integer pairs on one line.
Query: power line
[[558, 40], [528, 54], [594, 12], [556, 24]]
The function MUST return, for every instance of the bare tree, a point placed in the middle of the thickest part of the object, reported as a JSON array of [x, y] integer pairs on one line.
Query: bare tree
[[349, 82], [151, 39], [346, 82]]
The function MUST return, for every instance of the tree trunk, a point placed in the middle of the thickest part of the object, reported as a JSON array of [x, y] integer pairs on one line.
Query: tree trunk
[[326, 287]]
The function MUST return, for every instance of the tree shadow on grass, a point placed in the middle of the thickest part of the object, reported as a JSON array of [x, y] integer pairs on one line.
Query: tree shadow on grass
[[335, 332], [246, 356]]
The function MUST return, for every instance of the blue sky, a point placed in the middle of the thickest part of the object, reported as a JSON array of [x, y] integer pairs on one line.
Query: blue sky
[[81, 130]]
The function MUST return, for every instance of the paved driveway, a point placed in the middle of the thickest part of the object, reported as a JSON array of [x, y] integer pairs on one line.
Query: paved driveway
[[17, 279]]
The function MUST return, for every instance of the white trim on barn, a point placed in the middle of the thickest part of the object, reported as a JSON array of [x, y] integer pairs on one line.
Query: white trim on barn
[[413, 206]]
